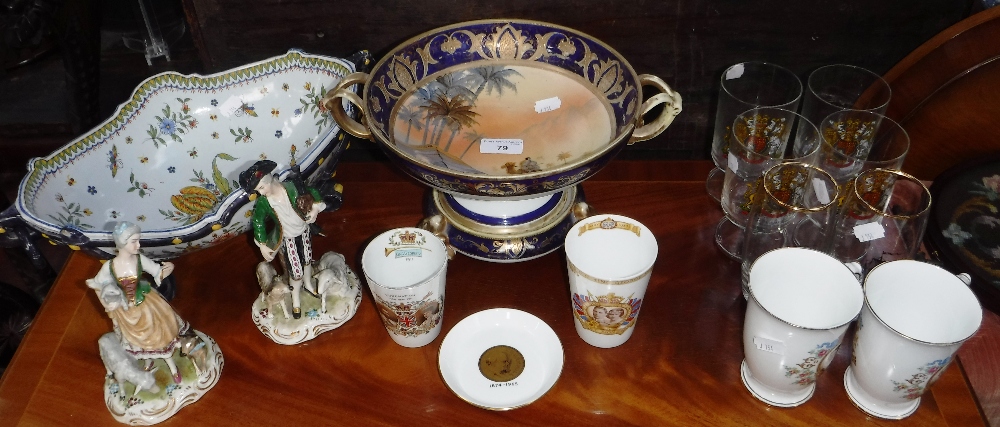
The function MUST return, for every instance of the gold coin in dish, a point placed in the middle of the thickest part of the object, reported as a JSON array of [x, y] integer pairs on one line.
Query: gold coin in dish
[[501, 363]]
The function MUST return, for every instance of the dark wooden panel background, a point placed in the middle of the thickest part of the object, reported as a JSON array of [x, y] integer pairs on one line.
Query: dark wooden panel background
[[687, 43]]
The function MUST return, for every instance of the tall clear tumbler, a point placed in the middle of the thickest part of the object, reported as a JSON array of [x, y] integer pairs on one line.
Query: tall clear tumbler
[[790, 195], [855, 141], [882, 217], [762, 138], [744, 86], [837, 87]]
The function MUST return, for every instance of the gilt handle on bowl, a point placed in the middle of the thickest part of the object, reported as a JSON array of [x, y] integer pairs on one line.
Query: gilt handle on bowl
[[671, 108], [343, 90]]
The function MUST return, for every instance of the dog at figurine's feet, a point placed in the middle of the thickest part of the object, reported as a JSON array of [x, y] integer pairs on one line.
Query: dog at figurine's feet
[[195, 349], [273, 288]]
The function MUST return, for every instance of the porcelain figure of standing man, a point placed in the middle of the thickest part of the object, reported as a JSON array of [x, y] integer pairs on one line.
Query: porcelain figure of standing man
[[292, 207]]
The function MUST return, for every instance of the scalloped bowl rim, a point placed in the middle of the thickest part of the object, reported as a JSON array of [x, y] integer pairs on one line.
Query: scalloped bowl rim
[[229, 203]]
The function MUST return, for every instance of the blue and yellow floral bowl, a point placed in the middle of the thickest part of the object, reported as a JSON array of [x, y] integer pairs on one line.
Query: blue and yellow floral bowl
[[169, 157]]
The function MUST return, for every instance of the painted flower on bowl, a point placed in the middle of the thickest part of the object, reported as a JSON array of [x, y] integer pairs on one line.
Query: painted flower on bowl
[[168, 126]]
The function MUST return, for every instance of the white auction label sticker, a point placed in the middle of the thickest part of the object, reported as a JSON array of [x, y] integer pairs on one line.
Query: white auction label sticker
[[734, 72], [869, 231], [548, 104], [769, 345], [734, 165], [501, 146], [822, 193]]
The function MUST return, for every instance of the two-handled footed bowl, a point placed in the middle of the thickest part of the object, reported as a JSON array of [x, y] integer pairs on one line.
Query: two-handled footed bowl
[[503, 111]]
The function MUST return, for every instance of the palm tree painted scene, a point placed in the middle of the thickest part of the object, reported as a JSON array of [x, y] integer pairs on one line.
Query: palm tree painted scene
[[443, 122]]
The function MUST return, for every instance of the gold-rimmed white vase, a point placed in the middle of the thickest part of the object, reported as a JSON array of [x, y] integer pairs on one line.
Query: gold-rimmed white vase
[[406, 269], [610, 260]]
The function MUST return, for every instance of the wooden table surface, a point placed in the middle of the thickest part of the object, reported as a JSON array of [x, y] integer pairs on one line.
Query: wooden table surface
[[681, 366]]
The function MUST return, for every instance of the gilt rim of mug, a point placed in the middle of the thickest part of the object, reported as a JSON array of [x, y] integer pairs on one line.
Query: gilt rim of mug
[[821, 208], [876, 80], [881, 211], [751, 295], [725, 77], [624, 280], [933, 267], [430, 237]]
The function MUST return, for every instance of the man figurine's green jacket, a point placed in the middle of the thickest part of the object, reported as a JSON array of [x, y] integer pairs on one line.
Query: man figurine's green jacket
[[262, 212]]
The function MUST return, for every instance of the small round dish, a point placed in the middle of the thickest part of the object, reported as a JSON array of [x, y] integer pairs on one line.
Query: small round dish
[[500, 359]]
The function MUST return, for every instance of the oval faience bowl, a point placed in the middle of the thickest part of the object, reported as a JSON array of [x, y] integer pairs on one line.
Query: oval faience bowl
[[169, 158], [504, 108]]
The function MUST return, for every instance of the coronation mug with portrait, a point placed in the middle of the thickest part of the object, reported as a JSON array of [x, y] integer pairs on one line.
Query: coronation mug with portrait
[[405, 269], [610, 259]]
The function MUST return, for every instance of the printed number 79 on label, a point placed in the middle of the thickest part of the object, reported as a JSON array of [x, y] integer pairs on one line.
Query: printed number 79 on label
[[498, 145]]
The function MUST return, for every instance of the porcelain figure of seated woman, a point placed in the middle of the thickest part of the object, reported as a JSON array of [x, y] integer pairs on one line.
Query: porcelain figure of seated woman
[[145, 323], [146, 328]]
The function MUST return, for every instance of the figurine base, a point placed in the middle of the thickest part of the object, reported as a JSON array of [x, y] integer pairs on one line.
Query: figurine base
[[147, 408], [272, 323]]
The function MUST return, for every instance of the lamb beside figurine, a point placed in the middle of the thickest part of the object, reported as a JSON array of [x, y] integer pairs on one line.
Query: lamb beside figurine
[[125, 367], [331, 278]]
